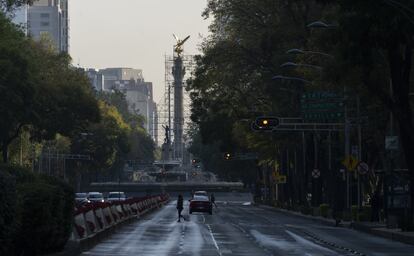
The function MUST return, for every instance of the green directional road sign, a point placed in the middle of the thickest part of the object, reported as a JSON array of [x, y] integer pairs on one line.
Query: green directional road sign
[[322, 106]]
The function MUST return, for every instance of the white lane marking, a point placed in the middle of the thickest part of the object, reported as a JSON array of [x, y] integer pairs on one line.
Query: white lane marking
[[308, 243], [194, 241], [285, 245], [272, 241], [180, 250], [214, 240]]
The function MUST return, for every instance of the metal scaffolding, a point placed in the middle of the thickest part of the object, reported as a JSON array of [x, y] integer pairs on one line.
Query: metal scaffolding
[[168, 108]]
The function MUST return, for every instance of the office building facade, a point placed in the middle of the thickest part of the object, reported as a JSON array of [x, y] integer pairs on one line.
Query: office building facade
[[138, 93], [46, 20]]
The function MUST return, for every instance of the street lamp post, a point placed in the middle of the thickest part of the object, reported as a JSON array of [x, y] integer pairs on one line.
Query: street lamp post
[[281, 77], [322, 25]]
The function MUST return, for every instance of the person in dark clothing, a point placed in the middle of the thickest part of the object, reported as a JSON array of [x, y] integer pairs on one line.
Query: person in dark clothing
[[375, 206], [180, 207], [213, 200]]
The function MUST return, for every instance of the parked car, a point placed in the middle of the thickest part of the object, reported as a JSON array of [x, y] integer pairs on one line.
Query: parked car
[[96, 197], [116, 197], [200, 203], [81, 199]]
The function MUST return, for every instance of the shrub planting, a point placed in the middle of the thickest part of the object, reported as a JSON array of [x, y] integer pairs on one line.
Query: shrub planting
[[324, 210], [38, 212]]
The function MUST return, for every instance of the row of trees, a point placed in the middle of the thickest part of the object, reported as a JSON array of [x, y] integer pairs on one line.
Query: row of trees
[[48, 114], [48, 108], [362, 46]]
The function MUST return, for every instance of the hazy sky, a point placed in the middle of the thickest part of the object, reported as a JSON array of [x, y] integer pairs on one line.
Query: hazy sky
[[134, 33]]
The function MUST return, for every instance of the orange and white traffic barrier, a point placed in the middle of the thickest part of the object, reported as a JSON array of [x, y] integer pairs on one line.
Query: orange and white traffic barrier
[[94, 218], [92, 226], [79, 226], [109, 219]]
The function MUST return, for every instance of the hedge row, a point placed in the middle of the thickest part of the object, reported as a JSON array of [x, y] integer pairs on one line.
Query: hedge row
[[35, 214]]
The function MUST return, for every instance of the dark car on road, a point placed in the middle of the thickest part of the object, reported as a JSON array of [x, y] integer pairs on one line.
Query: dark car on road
[[81, 199], [200, 204], [96, 197], [116, 197]]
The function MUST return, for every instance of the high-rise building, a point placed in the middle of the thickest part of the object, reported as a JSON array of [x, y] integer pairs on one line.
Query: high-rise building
[[97, 79], [118, 78], [138, 93], [140, 101], [46, 20]]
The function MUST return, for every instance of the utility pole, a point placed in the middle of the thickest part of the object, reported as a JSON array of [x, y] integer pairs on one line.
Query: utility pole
[[305, 176], [359, 147], [315, 192], [347, 148]]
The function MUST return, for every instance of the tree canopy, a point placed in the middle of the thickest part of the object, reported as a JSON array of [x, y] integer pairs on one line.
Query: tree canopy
[[361, 51], [39, 89]]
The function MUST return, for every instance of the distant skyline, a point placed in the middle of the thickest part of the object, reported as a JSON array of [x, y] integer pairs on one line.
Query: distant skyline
[[134, 33]]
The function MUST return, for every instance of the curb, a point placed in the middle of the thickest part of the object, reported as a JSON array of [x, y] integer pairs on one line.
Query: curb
[[325, 221], [407, 238]]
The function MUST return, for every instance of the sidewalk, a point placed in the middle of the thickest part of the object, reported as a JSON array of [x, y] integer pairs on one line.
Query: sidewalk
[[325, 221], [377, 229]]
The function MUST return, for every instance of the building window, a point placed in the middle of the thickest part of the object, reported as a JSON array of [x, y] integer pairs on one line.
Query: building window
[[44, 15], [44, 33], [44, 24]]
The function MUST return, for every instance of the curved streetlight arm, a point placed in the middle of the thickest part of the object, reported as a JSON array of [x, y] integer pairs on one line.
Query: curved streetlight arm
[[280, 77], [321, 24], [300, 51], [292, 64]]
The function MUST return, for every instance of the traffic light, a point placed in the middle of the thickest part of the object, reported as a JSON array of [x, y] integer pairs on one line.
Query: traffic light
[[265, 123], [227, 156]]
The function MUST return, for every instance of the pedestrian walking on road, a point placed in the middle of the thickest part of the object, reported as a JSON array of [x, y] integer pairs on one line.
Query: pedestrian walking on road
[[375, 206], [180, 207], [213, 200]]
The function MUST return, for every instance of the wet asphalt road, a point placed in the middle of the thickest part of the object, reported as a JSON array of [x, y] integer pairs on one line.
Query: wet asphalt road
[[237, 229]]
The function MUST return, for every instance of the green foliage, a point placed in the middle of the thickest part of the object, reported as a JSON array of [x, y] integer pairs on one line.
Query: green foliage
[[307, 210], [10, 5], [324, 210], [7, 212], [365, 213], [16, 90], [39, 90], [373, 46], [354, 212], [63, 205], [39, 212], [233, 79], [108, 139], [36, 218], [361, 214]]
